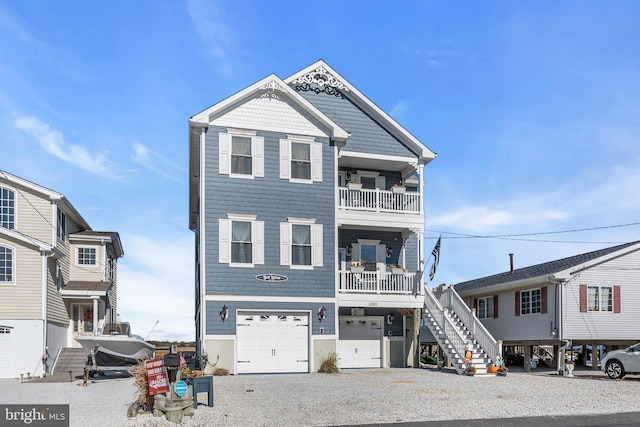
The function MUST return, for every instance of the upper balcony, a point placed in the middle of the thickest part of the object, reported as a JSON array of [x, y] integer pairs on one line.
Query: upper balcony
[[397, 200]]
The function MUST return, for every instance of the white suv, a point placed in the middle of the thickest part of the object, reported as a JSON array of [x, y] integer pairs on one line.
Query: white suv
[[618, 363]]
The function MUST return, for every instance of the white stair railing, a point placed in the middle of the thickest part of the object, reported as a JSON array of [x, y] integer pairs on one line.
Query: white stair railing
[[450, 299]]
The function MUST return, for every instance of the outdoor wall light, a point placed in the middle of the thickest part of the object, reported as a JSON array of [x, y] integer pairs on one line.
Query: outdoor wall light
[[348, 175], [389, 252], [349, 250], [224, 313], [390, 318], [322, 312]]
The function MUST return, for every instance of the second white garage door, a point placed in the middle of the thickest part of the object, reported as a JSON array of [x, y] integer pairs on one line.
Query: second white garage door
[[272, 342], [360, 342]]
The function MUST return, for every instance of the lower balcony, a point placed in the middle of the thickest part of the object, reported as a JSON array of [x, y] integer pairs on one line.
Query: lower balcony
[[376, 282]]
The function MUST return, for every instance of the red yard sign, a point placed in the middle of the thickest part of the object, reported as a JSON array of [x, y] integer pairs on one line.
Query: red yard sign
[[157, 376]]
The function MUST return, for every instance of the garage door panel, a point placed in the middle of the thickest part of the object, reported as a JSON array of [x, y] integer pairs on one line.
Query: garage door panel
[[273, 343], [360, 341]]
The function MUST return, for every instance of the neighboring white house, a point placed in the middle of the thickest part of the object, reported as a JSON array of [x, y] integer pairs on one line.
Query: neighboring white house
[[588, 299], [58, 278]]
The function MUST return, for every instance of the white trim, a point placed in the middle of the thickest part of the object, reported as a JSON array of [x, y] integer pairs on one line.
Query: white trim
[[243, 298], [14, 263], [202, 235], [77, 260], [241, 217], [373, 156]]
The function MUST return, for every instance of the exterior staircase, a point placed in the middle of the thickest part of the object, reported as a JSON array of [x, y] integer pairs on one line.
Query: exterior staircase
[[70, 359], [456, 330]]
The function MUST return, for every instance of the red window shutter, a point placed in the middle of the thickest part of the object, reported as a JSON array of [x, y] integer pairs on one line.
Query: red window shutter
[[495, 306], [583, 298], [517, 303], [543, 300], [616, 299]]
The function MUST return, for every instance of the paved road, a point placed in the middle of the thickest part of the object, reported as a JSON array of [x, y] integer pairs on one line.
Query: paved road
[[626, 419]]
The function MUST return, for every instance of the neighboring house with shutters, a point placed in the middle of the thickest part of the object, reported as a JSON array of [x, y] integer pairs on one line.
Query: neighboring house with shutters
[[58, 277], [588, 299], [306, 200]]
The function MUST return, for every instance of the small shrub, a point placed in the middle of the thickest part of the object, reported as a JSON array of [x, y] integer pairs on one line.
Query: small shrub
[[142, 397], [329, 364], [220, 372]]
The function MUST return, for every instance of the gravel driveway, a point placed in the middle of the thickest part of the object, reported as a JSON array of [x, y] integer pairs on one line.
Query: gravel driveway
[[351, 397]]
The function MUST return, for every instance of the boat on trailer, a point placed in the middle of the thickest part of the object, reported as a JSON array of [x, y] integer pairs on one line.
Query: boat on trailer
[[115, 348]]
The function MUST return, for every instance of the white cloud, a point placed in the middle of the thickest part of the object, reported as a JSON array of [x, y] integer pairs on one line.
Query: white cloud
[[156, 283], [154, 161], [52, 141], [399, 109], [208, 19]]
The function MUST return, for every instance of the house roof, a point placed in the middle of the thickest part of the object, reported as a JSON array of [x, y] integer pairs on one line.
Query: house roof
[[558, 269], [86, 289], [26, 240], [54, 196]]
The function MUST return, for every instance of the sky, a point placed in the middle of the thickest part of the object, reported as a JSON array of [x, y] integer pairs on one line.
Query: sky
[[532, 107]]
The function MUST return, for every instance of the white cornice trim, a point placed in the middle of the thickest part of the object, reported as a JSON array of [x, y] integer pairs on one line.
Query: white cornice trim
[[243, 298], [569, 272], [39, 244]]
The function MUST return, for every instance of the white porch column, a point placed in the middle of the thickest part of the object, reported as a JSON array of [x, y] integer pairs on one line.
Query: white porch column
[[95, 315]]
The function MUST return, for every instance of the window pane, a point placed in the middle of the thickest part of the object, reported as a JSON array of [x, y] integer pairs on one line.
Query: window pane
[[535, 301], [489, 306], [7, 203], [241, 162], [86, 256], [301, 244], [241, 247], [482, 308], [525, 302], [607, 299], [593, 300], [300, 161], [6, 264]]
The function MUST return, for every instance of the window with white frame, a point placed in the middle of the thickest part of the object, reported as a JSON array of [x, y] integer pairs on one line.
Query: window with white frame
[[7, 208], [6, 265], [300, 159], [301, 243], [86, 256], [62, 225], [241, 154], [600, 298], [485, 308], [241, 242], [530, 301]]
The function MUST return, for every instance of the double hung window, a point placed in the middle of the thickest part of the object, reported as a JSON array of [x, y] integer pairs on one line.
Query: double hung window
[[241, 242], [62, 225], [530, 301], [241, 154], [485, 308], [600, 298], [7, 208], [301, 243], [6, 265], [300, 159]]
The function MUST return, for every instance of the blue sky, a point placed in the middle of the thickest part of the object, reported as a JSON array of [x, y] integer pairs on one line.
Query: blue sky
[[532, 108]]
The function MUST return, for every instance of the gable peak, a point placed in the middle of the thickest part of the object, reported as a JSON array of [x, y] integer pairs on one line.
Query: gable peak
[[322, 77]]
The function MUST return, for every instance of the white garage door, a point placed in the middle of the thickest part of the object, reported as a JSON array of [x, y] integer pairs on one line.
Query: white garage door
[[6, 352], [273, 342], [360, 342]]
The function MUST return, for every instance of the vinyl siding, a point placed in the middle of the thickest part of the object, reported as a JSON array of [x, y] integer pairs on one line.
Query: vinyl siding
[[273, 200], [23, 300], [85, 272], [56, 310], [622, 271], [34, 215], [509, 327], [367, 136]]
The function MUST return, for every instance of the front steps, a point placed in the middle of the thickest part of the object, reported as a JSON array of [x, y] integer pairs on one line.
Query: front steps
[[70, 359]]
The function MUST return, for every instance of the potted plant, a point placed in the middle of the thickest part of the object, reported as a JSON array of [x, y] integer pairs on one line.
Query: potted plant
[[398, 189], [354, 185], [357, 266], [396, 269]]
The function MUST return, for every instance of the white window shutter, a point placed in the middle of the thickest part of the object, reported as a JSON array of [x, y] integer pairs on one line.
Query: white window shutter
[[224, 241], [258, 242], [258, 156], [224, 147], [285, 159], [318, 253], [355, 251], [381, 254], [316, 162], [285, 243]]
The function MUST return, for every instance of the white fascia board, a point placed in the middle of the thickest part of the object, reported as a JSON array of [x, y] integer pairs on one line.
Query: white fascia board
[[426, 155], [569, 272], [360, 155], [202, 119], [38, 244], [71, 211], [243, 298], [510, 286], [16, 181], [83, 293]]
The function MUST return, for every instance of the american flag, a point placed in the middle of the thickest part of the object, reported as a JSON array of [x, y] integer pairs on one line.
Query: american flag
[[436, 257]]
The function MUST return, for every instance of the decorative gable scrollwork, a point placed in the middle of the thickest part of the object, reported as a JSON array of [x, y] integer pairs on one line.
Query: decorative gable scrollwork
[[320, 80], [269, 90]]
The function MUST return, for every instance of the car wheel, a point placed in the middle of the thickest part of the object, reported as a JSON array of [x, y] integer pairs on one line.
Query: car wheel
[[615, 370]]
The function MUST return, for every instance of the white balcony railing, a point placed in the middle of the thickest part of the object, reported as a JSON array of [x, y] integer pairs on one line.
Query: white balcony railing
[[374, 282], [379, 201]]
